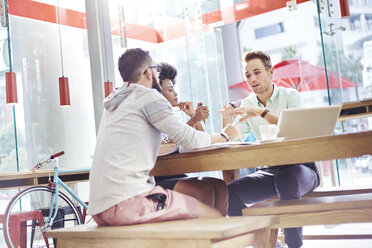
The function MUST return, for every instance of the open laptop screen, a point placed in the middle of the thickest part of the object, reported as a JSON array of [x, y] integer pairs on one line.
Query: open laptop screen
[[308, 122]]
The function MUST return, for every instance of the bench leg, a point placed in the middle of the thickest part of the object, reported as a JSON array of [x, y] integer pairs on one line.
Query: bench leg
[[265, 238], [261, 239], [281, 236], [273, 237]]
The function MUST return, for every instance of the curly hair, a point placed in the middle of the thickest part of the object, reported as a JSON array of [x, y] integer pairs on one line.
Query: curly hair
[[167, 71], [132, 63]]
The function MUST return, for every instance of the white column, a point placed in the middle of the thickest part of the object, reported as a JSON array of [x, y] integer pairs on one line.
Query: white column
[[100, 51]]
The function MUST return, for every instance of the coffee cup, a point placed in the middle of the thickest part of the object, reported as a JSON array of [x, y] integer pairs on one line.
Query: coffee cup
[[269, 131]]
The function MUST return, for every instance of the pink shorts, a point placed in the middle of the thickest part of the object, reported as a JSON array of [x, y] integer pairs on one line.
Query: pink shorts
[[139, 209]]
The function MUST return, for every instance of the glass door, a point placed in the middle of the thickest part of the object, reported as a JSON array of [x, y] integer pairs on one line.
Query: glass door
[[346, 38], [8, 140], [343, 52]]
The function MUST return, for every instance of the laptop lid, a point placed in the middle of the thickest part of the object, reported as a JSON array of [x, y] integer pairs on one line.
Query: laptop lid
[[308, 122]]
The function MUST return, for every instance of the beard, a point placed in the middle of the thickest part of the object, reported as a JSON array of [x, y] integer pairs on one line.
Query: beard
[[155, 84]]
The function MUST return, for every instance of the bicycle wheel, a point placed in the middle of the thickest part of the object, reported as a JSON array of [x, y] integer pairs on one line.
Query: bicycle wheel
[[26, 212]]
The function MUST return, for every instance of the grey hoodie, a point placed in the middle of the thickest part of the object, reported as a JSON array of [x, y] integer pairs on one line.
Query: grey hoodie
[[117, 97], [128, 142]]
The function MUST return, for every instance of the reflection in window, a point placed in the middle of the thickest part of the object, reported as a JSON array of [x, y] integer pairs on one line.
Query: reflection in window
[[210, 6], [355, 23], [360, 3], [316, 22], [369, 22], [269, 30]]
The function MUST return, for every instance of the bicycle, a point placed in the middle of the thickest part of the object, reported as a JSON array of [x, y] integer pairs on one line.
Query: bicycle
[[48, 207]]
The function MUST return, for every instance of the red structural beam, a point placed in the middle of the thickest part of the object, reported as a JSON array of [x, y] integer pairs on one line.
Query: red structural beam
[[48, 13]]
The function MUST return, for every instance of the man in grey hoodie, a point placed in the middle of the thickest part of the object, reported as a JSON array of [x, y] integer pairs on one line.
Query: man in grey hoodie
[[121, 190]]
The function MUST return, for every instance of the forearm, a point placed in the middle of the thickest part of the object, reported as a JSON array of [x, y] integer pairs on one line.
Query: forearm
[[199, 127], [229, 133], [192, 123], [195, 124], [270, 118], [216, 137], [226, 121], [266, 115], [182, 134]]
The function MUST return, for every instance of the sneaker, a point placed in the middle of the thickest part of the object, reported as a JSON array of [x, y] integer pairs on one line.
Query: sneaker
[[279, 244]]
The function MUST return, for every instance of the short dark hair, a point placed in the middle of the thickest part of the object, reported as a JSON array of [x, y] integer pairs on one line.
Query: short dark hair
[[132, 63], [167, 71], [265, 58]]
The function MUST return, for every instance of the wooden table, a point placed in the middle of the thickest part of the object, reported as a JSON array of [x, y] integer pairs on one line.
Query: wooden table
[[40, 177], [286, 152], [281, 153], [356, 110]]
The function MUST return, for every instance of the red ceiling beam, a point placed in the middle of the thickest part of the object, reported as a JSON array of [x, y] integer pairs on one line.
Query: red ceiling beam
[[45, 12], [48, 13]]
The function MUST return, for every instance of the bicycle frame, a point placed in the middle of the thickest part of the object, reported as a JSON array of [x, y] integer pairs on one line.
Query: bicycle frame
[[54, 200]]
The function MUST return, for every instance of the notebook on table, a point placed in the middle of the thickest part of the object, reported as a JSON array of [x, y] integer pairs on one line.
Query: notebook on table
[[308, 122]]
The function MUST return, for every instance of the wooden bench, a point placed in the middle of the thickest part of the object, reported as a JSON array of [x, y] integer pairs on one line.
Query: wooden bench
[[325, 210], [195, 233], [336, 191]]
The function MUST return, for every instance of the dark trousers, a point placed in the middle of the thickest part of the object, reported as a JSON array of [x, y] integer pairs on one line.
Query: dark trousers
[[168, 182], [288, 182]]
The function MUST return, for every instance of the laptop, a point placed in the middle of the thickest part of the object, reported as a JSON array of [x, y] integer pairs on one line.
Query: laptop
[[308, 122]]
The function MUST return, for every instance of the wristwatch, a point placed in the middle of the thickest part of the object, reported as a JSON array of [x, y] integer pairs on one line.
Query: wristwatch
[[226, 136], [264, 113]]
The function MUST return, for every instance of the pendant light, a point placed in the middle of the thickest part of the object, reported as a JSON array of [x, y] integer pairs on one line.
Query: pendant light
[[10, 76], [344, 8], [109, 88], [11, 87], [64, 92]]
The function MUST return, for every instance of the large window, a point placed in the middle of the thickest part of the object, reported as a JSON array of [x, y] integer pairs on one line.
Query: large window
[[8, 152], [182, 40], [347, 57], [39, 46], [37, 126]]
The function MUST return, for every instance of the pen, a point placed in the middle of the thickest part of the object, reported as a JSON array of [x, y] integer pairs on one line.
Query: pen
[[199, 105], [232, 104]]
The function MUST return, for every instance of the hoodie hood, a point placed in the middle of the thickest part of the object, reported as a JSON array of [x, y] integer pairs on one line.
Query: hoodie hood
[[118, 96]]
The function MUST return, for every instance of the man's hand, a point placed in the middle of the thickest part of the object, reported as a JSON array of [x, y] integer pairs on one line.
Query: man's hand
[[227, 112], [247, 112], [232, 131]]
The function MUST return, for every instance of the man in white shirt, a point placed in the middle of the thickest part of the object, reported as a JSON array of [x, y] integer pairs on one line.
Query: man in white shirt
[[121, 190], [263, 107]]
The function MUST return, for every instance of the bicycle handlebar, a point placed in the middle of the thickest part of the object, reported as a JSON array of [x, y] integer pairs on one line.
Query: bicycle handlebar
[[47, 160], [57, 154]]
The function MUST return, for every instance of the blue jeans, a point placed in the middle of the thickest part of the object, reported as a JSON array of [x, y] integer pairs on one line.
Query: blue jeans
[[288, 182]]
